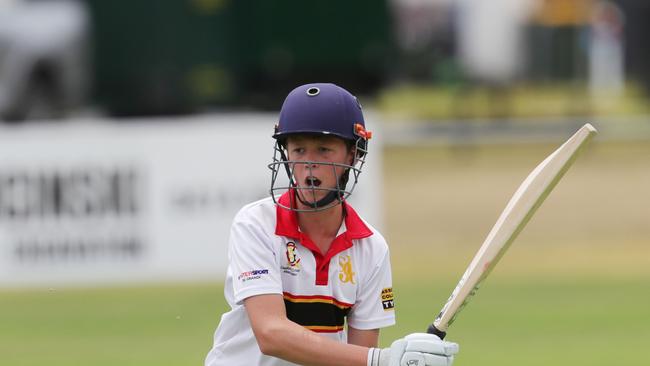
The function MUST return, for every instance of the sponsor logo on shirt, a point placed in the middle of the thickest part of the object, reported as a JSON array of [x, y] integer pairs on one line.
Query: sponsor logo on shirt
[[293, 260], [387, 300], [252, 275], [345, 273]]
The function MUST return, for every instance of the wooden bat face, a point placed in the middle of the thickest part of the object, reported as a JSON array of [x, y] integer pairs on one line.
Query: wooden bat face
[[521, 207]]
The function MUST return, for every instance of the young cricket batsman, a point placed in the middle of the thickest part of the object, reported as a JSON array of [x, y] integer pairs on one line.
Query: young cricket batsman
[[309, 281]]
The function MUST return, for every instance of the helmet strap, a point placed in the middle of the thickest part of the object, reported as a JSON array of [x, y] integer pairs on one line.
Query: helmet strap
[[329, 198]]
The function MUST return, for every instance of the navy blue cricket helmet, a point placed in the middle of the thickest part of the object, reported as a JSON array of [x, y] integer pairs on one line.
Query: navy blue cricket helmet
[[321, 109]]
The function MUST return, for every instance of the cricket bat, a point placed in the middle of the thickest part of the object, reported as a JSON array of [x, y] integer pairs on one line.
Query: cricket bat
[[523, 204]]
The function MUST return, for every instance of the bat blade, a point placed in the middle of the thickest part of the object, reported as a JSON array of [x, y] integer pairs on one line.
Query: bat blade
[[521, 207]]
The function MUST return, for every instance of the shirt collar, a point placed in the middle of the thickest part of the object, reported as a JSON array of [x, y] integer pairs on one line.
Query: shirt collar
[[287, 221]]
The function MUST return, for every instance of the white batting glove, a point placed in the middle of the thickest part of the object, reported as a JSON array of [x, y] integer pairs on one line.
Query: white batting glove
[[416, 349]]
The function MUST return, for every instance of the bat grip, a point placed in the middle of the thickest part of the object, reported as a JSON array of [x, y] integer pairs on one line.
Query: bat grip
[[433, 330]]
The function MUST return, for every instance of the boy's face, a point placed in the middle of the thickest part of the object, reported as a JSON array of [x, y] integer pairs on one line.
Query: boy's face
[[317, 178]]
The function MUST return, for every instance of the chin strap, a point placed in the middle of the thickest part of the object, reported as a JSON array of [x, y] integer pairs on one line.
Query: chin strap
[[329, 198]]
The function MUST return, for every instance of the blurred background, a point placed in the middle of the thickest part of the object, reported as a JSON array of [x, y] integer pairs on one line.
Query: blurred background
[[132, 132]]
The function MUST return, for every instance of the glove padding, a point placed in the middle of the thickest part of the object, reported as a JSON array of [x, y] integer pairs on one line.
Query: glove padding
[[417, 349]]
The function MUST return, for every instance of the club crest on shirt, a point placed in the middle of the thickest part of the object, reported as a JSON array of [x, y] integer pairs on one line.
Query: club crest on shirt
[[292, 255], [345, 272], [292, 266]]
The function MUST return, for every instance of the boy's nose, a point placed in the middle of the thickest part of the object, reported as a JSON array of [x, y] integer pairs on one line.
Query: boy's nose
[[311, 164], [311, 158]]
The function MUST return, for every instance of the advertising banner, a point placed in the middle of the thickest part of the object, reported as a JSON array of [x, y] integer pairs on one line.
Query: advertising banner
[[99, 201]]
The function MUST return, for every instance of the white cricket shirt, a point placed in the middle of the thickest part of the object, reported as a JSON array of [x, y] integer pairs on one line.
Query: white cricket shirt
[[269, 255]]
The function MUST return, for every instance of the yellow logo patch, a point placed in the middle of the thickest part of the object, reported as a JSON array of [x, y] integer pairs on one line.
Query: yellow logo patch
[[346, 274], [387, 299]]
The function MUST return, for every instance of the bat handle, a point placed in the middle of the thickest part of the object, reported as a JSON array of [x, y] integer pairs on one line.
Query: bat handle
[[433, 330]]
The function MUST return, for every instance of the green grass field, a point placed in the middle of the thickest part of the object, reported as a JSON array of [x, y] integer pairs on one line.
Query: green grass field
[[573, 290], [510, 322]]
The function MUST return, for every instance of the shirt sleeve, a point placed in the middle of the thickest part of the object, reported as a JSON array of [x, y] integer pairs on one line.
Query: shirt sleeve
[[252, 260], [375, 306]]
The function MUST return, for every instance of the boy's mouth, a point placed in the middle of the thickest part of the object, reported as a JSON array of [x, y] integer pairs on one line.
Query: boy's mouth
[[312, 182]]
